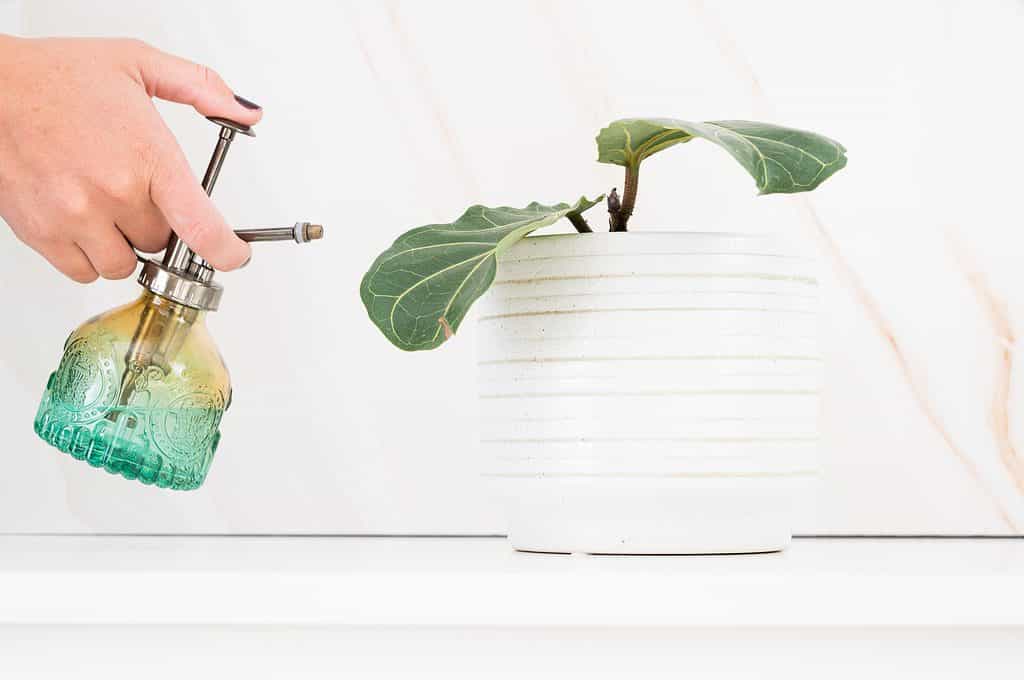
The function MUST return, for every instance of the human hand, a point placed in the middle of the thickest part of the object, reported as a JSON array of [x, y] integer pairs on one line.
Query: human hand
[[88, 168]]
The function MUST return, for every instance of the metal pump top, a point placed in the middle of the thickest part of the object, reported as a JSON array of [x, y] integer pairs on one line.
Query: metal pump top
[[185, 277]]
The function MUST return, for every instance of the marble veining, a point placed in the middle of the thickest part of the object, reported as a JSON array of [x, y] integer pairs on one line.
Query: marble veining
[[1005, 340], [994, 308]]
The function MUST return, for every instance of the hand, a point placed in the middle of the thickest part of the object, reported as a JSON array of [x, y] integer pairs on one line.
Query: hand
[[88, 168]]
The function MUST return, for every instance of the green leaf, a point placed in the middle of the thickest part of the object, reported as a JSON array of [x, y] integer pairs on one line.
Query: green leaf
[[780, 159], [419, 290]]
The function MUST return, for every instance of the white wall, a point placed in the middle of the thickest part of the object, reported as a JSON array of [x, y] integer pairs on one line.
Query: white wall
[[386, 115]]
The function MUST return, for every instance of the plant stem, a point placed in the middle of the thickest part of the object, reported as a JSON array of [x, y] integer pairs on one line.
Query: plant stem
[[629, 195], [580, 223]]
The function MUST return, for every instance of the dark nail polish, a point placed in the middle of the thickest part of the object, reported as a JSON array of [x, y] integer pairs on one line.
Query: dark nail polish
[[247, 104]]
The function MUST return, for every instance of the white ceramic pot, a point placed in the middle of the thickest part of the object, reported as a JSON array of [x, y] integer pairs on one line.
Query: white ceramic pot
[[650, 392]]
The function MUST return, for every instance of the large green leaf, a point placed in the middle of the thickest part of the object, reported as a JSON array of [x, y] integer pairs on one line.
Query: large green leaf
[[780, 159], [419, 290]]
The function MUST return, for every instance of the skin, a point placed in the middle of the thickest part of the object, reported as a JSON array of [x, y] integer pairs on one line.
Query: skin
[[88, 168]]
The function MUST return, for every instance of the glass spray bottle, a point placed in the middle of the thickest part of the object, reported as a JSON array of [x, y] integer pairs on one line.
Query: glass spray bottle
[[141, 389]]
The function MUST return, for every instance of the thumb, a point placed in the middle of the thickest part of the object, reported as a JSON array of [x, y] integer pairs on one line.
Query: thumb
[[190, 212], [166, 76]]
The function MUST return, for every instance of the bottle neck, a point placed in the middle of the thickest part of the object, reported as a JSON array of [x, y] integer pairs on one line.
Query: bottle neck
[[175, 310], [162, 329]]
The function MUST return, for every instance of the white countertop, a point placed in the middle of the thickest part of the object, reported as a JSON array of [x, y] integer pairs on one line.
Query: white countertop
[[481, 581]]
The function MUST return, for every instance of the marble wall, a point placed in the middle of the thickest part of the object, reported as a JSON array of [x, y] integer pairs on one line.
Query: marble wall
[[385, 115]]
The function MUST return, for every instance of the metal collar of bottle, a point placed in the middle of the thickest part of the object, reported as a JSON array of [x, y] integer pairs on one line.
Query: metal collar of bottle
[[180, 287]]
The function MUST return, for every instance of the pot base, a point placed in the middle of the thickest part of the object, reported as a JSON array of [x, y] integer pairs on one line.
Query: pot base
[[650, 515]]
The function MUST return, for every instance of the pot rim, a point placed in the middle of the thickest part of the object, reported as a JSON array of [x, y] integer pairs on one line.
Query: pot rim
[[666, 232], [652, 244]]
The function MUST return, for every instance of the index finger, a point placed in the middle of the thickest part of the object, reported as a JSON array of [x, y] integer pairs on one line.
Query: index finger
[[192, 215]]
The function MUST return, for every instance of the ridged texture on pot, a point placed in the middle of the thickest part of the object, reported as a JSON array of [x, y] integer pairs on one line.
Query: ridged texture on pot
[[651, 355]]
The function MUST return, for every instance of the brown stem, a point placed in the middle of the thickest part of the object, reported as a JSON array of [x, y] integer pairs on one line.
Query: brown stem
[[629, 194], [580, 223]]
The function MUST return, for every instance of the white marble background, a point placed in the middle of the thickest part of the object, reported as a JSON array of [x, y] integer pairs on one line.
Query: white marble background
[[385, 115]]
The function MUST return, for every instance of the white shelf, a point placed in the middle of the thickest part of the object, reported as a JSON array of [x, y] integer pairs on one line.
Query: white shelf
[[481, 581]]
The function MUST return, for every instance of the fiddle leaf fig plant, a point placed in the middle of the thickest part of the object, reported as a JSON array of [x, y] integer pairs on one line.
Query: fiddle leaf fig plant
[[418, 291]]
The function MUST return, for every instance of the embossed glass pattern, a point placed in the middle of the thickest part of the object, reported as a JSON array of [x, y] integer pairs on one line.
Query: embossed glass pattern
[[139, 392]]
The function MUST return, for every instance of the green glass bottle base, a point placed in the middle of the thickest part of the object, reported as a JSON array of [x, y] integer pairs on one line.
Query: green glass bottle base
[[164, 447], [139, 392]]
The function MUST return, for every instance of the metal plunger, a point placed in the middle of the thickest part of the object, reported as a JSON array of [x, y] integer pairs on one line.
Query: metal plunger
[[178, 255], [187, 279]]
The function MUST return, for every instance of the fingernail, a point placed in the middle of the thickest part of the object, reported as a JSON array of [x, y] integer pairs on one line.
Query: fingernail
[[247, 104], [246, 263]]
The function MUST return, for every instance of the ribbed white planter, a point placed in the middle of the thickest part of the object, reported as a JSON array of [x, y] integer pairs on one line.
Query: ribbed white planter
[[650, 392]]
